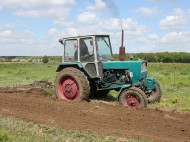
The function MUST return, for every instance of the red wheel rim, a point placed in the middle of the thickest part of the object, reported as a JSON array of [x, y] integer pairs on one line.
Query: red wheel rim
[[132, 101], [68, 88]]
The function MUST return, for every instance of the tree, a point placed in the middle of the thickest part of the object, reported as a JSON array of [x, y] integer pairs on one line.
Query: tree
[[45, 59], [8, 59]]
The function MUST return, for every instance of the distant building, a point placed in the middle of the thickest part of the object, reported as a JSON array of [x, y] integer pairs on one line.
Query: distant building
[[23, 60], [36, 60], [15, 60], [2, 60]]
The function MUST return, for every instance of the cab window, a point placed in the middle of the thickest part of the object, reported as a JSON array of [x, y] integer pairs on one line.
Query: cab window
[[86, 50], [71, 50]]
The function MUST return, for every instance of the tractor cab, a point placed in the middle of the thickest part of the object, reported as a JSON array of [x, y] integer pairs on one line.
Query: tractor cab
[[90, 51]]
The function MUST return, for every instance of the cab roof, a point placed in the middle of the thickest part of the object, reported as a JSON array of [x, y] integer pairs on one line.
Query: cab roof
[[83, 36]]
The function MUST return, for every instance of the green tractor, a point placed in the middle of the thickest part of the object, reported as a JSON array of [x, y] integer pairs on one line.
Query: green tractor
[[88, 69]]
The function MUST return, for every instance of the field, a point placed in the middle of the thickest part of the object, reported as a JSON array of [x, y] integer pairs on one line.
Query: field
[[174, 78]]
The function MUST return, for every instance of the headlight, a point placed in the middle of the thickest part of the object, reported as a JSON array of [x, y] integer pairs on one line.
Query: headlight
[[144, 67], [131, 74]]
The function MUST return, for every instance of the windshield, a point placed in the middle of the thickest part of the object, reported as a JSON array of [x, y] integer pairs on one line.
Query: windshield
[[103, 48]]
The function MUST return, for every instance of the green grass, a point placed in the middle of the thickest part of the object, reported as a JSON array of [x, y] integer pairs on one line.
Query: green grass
[[14, 74], [175, 81], [20, 131], [173, 77]]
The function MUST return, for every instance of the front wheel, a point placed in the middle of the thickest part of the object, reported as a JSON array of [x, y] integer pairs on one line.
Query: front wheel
[[72, 84], [133, 97]]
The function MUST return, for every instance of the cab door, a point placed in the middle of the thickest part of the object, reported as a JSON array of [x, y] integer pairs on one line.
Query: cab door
[[87, 57]]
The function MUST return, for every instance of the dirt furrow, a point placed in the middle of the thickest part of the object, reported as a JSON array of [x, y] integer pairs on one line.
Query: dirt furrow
[[152, 124]]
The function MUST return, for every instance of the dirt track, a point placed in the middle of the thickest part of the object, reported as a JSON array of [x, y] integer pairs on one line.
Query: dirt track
[[152, 124]]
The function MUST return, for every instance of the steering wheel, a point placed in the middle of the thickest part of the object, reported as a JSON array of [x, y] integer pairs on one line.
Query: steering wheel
[[88, 57]]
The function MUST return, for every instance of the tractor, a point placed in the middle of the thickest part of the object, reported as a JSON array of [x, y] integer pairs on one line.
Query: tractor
[[88, 68]]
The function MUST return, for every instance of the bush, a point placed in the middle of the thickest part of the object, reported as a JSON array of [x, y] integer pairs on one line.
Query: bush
[[45, 59], [30, 60], [8, 59]]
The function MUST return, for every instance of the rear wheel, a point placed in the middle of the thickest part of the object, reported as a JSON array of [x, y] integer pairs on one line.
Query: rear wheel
[[156, 94], [133, 97], [72, 84]]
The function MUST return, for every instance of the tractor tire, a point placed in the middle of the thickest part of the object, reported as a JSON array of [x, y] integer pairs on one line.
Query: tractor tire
[[156, 94], [72, 84], [133, 97]]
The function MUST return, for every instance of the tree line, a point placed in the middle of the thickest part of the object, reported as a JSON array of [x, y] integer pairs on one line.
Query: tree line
[[165, 57]]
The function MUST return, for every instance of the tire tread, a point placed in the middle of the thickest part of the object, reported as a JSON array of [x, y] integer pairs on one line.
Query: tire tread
[[137, 91], [85, 92]]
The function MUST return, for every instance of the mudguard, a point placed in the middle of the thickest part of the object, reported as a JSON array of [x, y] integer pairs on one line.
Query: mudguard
[[122, 88], [149, 83], [75, 65]]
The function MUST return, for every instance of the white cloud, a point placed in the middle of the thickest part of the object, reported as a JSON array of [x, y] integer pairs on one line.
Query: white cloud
[[7, 26], [17, 43], [188, 11], [171, 42], [58, 10], [57, 14], [10, 37], [35, 3], [176, 38], [53, 34], [99, 5], [153, 37], [149, 11], [26, 43], [175, 22], [88, 18], [133, 30], [28, 13], [61, 22]]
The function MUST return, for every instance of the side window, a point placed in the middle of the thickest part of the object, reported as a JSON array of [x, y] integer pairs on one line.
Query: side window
[[86, 50], [103, 48], [71, 50]]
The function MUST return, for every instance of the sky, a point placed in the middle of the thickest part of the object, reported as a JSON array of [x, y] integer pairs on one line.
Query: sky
[[34, 27]]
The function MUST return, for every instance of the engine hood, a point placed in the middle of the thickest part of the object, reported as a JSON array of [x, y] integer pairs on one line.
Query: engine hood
[[123, 64], [135, 67]]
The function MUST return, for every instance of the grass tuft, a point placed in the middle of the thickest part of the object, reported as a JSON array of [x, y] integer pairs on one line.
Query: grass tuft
[[49, 92], [4, 136]]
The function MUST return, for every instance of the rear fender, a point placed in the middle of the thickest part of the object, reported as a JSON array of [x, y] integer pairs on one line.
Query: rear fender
[[75, 65], [122, 88]]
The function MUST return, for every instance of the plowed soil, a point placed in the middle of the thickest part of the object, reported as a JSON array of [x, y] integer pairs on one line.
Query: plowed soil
[[142, 123]]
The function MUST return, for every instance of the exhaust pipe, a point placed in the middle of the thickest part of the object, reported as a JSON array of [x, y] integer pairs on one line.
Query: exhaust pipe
[[122, 49]]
